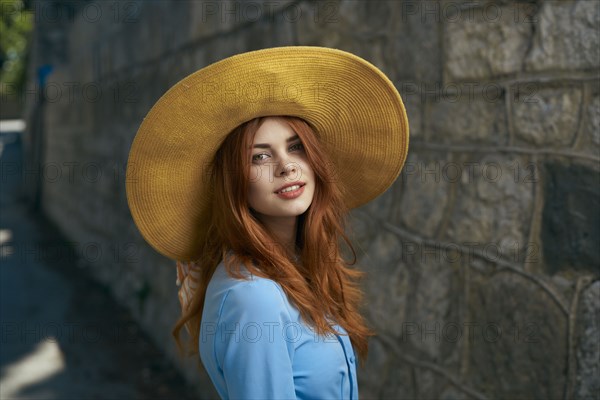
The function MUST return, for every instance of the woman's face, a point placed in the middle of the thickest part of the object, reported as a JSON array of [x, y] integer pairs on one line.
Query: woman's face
[[279, 161]]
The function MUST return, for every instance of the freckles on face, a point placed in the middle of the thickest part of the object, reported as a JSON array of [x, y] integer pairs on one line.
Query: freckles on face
[[279, 159]]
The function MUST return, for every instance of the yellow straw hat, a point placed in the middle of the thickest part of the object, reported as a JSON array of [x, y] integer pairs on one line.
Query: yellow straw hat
[[353, 107]]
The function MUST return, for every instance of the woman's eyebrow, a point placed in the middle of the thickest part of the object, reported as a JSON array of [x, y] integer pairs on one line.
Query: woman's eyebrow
[[267, 146]]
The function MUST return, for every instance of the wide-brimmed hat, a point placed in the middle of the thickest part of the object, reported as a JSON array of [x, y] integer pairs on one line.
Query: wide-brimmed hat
[[355, 110]]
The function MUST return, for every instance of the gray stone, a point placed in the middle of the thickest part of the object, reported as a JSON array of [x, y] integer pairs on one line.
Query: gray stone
[[386, 288], [398, 381], [484, 43], [319, 25], [425, 198], [386, 376], [589, 141], [385, 204], [283, 29], [414, 111], [433, 308], [80, 46], [263, 34], [222, 47], [207, 19], [588, 348], [413, 49], [360, 227], [145, 89], [593, 119], [168, 71], [566, 36], [482, 116], [426, 384], [146, 35], [333, 24], [493, 206], [212, 18], [451, 393], [386, 281], [516, 351], [367, 17], [548, 116], [571, 217]]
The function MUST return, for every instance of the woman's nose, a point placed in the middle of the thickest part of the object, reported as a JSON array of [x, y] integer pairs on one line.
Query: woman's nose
[[287, 167]]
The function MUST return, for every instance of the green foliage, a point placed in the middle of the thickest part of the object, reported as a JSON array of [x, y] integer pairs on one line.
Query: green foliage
[[16, 23]]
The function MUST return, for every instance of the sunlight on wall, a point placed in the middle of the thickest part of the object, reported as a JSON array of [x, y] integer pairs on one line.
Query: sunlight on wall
[[45, 361], [5, 239]]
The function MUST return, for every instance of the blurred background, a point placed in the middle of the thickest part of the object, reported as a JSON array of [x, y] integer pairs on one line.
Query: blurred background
[[482, 260]]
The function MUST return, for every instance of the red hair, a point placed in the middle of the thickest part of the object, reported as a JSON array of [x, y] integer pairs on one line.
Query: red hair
[[322, 285]]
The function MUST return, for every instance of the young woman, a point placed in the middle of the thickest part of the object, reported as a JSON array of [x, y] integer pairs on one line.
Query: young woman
[[244, 172]]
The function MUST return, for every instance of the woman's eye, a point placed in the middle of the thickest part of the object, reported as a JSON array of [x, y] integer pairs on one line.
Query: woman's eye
[[256, 157], [298, 146], [259, 157]]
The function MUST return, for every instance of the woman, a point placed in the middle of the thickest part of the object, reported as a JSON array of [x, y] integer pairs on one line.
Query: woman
[[244, 172]]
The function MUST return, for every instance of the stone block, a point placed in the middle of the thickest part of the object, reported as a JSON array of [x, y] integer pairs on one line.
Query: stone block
[[82, 46], [566, 36], [359, 229], [467, 116], [283, 29], [120, 52], [127, 105], [147, 28], [412, 301], [592, 119], [485, 42], [425, 196], [339, 24], [363, 17], [143, 87], [414, 110], [387, 286], [587, 385], [493, 206], [386, 376], [427, 384], [261, 34], [451, 393], [589, 140], [413, 50], [571, 217], [209, 19], [319, 25], [433, 307], [517, 337], [224, 46], [547, 116], [176, 25], [380, 208]]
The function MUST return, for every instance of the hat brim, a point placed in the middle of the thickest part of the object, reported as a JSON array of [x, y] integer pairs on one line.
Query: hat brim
[[355, 109]]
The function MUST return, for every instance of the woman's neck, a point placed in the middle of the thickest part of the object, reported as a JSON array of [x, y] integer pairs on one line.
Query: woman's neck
[[284, 229]]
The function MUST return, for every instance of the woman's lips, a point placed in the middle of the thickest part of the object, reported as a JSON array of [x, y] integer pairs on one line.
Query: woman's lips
[[291, 194]]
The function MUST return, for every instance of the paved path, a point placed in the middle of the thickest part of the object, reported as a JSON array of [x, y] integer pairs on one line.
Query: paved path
[[61, 334]]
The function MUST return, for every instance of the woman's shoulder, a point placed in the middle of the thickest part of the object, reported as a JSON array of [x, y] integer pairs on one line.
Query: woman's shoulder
[[222, 277], [256, 294]]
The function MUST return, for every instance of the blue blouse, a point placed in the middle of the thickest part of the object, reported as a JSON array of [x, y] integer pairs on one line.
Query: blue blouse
[[254, 345]]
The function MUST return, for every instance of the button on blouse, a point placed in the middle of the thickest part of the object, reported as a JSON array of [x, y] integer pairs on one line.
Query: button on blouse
[[254, 345]]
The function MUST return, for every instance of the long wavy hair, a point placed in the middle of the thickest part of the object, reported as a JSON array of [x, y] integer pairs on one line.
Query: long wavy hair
[[321, 284]]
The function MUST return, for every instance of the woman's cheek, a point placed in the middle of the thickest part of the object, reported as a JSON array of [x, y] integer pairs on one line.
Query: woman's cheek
[[255, 173], [306, 172]]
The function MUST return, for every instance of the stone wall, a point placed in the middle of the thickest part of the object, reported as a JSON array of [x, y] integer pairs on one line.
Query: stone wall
[[482, 258]]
